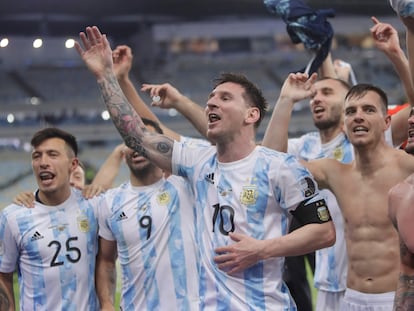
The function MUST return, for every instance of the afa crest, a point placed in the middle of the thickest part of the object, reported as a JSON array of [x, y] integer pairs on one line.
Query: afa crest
[[338, 153], [83, 223], [249, 195], [308, 186], [323, 213], [163, 198]]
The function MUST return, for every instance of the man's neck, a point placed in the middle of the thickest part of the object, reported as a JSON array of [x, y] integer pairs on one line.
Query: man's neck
[[147, 178], [368, 159], [52, 198], [329, 134], [231, 152]]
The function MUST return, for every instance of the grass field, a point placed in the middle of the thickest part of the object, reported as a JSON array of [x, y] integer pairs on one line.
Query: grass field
[[310, 280]]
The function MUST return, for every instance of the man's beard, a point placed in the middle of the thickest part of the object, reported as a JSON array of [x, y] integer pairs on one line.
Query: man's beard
[[326, 124], [409, 149], [142, 170]]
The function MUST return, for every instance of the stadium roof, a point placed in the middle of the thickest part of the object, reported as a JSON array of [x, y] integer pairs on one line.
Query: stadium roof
[[124, 17]]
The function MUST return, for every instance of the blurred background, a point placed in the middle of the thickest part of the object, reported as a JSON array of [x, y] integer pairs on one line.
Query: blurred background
[[184, 42]]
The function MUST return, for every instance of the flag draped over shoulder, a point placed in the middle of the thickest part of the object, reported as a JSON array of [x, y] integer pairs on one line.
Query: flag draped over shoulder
[[307, 26]]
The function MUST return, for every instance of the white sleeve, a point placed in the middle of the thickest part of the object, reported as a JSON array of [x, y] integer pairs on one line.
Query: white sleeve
[[388, 137], [9, 252], [103, 219], [294, 146]]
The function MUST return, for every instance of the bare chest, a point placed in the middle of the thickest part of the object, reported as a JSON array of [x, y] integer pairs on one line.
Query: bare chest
[[364, 201]]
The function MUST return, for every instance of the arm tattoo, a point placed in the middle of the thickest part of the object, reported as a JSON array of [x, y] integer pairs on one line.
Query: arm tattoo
[[130, 125], [124, 117], [163, 147], [135, 144], [404, 296]]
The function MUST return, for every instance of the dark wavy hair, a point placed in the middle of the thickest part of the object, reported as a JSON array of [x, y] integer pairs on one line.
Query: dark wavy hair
[[361, 89], [253, 94], [53, 132]]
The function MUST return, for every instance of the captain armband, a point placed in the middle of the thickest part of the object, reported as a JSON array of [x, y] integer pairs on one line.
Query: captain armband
[[312, 211]]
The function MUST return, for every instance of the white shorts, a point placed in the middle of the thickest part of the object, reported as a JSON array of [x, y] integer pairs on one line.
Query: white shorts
[[357, 301], [328, 301], [404, 8]]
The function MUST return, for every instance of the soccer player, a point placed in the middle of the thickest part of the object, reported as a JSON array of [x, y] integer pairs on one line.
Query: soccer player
[[149, 222], [245, 194], [53, 246]]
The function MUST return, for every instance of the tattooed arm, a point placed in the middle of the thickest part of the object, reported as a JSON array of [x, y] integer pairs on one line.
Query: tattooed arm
[[6, 292], [401, 214], [97, 55], [404, 295]]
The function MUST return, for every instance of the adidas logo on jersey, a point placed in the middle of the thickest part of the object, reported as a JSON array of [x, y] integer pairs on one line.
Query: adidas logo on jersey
[[122, 216], [210, 178], [36, 236]]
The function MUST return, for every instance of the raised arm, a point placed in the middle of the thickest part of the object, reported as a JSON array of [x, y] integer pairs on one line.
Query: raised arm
[[386, 40], [409, 34], [327, 69], [97, 55], [6, 292], [122, 58], [169, 97], [110, 168], [296, 87]]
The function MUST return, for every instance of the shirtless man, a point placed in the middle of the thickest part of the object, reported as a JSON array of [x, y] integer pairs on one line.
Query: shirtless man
[[361, 189]]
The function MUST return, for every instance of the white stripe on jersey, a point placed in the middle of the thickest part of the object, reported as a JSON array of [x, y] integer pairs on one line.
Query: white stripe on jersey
[[252, 196], [55, 249], [154, 230]]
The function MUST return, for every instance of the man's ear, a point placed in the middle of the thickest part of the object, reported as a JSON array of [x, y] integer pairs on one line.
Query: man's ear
[[387, 121], [253, 115], [74, 164]]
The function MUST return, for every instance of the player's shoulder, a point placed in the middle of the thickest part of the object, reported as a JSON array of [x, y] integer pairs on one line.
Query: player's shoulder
[[276, 156], [266, 152], [402, 159], [311, 135], [402, 154], [122, 188], [329, 161], [308, 138], [14, 209], [401, 188], [331, 167], [194, 142], [177, 181]]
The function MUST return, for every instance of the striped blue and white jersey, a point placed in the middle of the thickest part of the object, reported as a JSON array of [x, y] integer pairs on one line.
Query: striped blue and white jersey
[[153, 227], [330, 262], [194, 141], [252, 196], [54, 249]]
